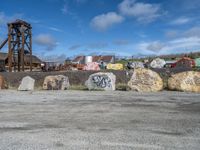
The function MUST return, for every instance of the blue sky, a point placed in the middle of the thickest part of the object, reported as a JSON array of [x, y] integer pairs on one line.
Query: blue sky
[[65, 28]]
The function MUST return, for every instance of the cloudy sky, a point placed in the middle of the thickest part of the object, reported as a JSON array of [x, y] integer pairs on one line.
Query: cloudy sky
[[64, 28]]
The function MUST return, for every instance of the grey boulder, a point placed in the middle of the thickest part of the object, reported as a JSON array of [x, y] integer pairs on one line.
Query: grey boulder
[[27, 84], [101, 81]]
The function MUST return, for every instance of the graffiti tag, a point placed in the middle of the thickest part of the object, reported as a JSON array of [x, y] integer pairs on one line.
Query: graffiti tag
[[102, 81], [194, 81]]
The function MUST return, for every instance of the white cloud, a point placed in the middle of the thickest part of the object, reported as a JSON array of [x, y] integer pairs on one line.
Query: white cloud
[[193, 32], [121, 42], [178, 45], [46, 40], [155, 46], [105, 21], [4, 19], [143, 12], [55, 29], [180, 21], [74, 47], [171, 33]]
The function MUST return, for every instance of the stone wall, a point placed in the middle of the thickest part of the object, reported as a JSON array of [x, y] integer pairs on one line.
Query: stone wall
[[75, 77]]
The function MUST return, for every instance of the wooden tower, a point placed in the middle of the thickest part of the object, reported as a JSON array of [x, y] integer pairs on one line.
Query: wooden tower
[[19, 44]]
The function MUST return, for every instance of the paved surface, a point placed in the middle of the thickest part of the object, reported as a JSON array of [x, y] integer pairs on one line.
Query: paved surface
[[99, 120]]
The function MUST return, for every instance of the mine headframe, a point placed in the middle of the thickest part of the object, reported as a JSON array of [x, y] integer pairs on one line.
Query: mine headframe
[[19, 45]]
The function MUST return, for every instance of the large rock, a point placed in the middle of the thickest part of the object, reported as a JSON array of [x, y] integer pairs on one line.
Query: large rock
[[27, 84], [2, 82], [115, 66], [186, 81], [135, 65], [101, 81], [145, 80], [58, 82], [158, 63], [92, 66]]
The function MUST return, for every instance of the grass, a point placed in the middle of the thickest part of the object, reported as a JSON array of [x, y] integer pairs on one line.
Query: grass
[[78, 87], [121, 87]]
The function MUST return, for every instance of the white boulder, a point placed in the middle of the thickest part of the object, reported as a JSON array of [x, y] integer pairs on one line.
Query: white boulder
[[27, 84]]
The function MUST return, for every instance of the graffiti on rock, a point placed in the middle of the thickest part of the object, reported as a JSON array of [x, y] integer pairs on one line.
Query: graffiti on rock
[[102, 81], [193, 81]]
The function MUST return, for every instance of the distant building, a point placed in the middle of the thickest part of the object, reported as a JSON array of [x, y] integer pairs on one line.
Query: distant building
[[99, 59], [78, 60], [170, 63], [185, 62], [107, 59], [36, 62]]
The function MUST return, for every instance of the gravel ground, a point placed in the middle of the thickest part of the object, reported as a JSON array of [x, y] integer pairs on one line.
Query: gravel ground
[[76, 120]]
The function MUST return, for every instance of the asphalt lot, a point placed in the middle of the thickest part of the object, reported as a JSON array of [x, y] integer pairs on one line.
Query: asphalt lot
[[61, 120]]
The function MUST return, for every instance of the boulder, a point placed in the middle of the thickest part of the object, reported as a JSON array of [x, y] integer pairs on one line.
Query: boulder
[[135, 65], [158, 63], [186, 81], [101, 81], [115, 66], [145, 80], [58, 82], [2, 82], [92, 66], [27, 84]]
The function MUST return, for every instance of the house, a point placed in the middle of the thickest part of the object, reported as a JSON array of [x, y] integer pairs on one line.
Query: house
[[108, 59], [185, 62], [36, 62], [78, 60]]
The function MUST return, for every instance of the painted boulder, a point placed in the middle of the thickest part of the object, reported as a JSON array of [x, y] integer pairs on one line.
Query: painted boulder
[[186, 81], [158, 63], [91, 66], [58, 82], [115, 66], [27, 84], [135, 65], [101, 81], [145, 80]]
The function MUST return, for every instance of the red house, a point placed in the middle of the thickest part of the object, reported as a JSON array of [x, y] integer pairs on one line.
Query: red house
[[185, 62]]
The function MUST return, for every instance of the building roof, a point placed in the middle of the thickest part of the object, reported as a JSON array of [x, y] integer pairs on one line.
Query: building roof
[[3, 56], [107, 58], [35, 59], [102, 58], [96, 58], [78, 58], [170, 61]]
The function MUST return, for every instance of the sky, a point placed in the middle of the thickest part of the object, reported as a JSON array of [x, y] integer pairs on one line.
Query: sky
[[66, 28]]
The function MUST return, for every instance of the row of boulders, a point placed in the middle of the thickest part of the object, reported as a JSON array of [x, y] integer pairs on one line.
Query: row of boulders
[[145, 80], [58, 82], [142, 80]]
